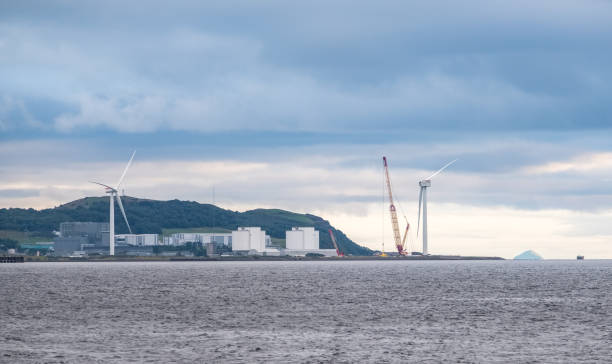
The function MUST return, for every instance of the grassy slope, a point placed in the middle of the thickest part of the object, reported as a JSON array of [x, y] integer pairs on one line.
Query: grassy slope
[[24, 237]]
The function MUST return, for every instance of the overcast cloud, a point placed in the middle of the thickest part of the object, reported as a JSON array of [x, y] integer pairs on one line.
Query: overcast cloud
[[291, 105]]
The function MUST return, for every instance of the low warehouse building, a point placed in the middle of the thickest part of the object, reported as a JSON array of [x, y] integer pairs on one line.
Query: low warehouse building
[[137, 239]]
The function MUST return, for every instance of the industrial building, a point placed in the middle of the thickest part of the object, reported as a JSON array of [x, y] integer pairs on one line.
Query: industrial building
[[93, 238], [78, 235], [64, 246], [137, 239], [37, 248], [95, 232], [249, 239], [302, 238], [178, 239], [300, 241]]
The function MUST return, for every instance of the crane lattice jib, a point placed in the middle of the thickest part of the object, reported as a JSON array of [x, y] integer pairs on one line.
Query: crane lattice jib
[[333, 239], [394, 222]]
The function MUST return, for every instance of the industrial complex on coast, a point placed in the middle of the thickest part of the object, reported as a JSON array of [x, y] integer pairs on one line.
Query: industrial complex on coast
[[87, 238], [81, 239]]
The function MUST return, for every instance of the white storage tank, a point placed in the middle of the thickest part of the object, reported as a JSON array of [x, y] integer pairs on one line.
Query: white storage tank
[[302, 238], [241, 239], [294, 239], [249, 238]]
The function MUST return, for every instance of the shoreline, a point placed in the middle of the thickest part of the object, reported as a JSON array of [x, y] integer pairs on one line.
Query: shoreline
[[253, 258]]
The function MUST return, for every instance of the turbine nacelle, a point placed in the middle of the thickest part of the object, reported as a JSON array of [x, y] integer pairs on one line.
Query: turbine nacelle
[[107, 188], [425, 183]]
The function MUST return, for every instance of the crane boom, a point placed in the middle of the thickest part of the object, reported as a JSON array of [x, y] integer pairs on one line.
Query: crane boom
[[394, 223], [404, 238], [399, 243], [333, 239]]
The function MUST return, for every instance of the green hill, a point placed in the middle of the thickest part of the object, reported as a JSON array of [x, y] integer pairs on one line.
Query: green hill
[[151, 216]]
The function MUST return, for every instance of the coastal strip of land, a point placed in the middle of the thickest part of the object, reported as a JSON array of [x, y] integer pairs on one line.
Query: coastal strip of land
[[251, 258]]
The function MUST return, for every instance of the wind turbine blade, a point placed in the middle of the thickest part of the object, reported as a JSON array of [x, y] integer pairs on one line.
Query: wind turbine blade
[[126, 169], [123, 212], [419, 218], [441, 169], [102, 184]]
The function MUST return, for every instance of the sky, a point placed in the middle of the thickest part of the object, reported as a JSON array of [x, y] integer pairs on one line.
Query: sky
[[292, 105]]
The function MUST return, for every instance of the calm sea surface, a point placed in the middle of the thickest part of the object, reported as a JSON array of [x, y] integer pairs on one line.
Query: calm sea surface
[[369, 311]]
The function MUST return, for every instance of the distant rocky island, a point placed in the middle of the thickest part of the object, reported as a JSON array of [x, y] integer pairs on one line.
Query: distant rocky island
[[528, 255]]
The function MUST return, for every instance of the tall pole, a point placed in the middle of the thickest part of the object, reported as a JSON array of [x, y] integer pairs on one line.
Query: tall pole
[[383, 218], [212, 241], [111, 226], [424, 220]]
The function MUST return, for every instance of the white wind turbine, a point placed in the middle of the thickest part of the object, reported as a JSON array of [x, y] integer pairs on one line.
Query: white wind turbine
[[113, 192], [423, 201]]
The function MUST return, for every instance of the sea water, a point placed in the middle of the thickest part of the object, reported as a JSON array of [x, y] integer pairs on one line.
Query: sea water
[[307, 311]]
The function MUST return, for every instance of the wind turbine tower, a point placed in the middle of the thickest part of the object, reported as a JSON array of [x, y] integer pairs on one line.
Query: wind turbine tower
[[424, 184], [113, 194]]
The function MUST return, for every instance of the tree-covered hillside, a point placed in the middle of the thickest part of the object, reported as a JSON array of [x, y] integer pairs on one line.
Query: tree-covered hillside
[[151, 216]]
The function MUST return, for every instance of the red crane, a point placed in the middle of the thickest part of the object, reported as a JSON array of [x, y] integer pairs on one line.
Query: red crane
[[399, 242], [333, 239]]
